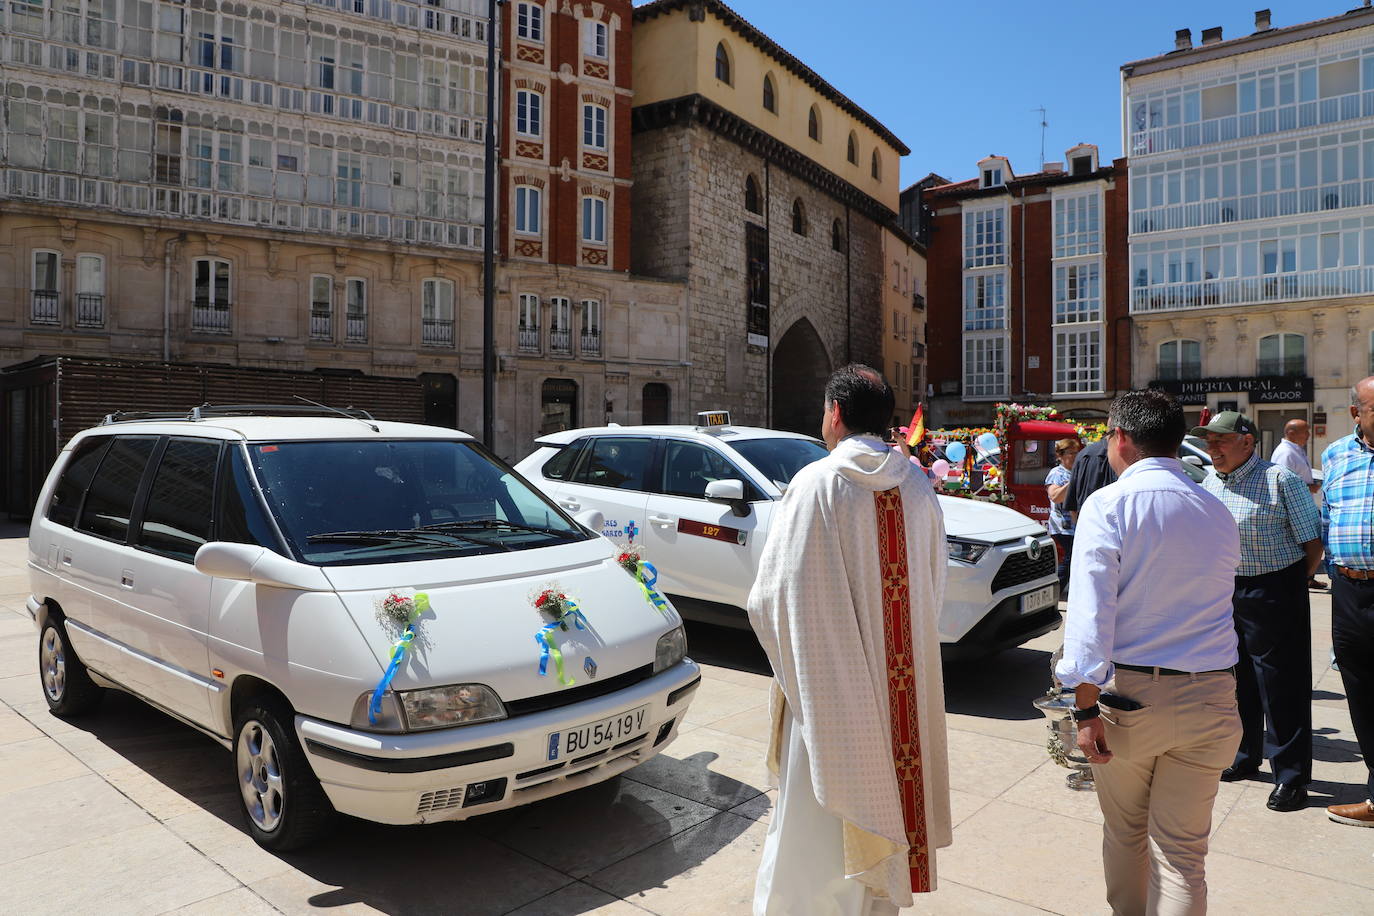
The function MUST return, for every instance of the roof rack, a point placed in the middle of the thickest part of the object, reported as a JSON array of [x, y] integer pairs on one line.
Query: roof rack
[[205, 411]]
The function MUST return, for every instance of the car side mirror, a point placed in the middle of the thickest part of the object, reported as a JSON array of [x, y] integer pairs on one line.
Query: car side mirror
[[251, 563], [1194, 460], [591, 519], [729, 491]]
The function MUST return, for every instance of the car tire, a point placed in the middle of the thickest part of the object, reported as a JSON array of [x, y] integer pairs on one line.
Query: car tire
[[282, 801], [67, 686]]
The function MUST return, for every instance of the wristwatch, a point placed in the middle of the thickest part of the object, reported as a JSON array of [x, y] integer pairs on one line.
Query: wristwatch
[[1083, 715]]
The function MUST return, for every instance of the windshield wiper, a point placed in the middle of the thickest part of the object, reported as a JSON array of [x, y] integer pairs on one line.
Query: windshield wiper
[[492, 523], [413, 536]]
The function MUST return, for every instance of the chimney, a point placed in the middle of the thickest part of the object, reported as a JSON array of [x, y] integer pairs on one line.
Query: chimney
[[1211, 36], [1053, 168], [1262, 23], [1183, 39]]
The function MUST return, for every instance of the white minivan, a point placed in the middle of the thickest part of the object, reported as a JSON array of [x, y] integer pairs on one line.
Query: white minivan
[[254, 576]]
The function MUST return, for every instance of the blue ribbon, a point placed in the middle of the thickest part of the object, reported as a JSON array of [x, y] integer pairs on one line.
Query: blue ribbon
[[545, 640], [398, 652], [648, 578]]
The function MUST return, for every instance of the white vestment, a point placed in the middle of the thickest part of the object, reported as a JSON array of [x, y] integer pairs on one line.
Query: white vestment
[[818, 608]]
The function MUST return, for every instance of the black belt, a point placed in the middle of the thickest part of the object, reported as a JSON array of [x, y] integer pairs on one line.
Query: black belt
[[1148, 669]]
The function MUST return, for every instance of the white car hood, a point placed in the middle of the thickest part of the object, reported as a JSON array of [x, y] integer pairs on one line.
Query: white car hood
[[482, 626], [984, 521]]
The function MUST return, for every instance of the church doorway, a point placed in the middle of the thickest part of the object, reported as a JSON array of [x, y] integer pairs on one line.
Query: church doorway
[[800, 370]]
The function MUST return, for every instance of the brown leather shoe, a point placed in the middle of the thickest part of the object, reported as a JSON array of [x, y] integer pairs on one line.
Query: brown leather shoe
[[1360, 814]]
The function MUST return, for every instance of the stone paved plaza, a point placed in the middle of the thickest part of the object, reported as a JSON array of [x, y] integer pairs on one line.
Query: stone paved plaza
[[130, 812]]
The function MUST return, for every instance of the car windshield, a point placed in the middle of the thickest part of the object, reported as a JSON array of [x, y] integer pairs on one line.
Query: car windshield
[[779, 459], [352, 502]]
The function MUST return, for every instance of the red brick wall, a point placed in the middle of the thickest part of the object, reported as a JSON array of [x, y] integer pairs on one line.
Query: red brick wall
[[1116, 282]]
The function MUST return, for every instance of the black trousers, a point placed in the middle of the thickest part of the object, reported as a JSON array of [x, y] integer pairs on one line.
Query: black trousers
[[1352, 635], [1065, 542], [1274, 677]]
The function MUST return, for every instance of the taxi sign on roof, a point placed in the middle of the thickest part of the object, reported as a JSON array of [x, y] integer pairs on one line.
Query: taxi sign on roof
[[707, 419]]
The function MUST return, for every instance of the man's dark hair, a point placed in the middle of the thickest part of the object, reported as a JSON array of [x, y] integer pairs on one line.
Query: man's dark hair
[[1153, 420], [866, 402]]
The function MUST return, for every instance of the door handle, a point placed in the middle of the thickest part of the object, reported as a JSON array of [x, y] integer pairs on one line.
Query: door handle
[[570, 506], [126, 578], [662, 519]]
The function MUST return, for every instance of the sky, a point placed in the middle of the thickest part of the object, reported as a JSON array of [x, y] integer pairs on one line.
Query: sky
[[958, 80]]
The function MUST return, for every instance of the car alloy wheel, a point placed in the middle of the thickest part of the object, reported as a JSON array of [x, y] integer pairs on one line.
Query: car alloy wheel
[[260, 778], [53, 664]]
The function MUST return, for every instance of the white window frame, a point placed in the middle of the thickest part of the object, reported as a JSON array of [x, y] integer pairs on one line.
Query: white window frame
[[594, 124], [529, 22], [596, 39], [81, 289], [529, 113], [980, 311], [57, 271], [1178, 361], [594, 219], [1078, 224], [1077, 372], [982, 383], [1283, 337], [981, 226], [527, 318], [591, 317], [351, 314], [214, 263], [432, 304], [528, 204]]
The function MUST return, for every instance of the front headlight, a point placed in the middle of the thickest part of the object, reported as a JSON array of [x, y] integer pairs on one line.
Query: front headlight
[[444, 707], [389, 718], [671, 649], [967, 551]]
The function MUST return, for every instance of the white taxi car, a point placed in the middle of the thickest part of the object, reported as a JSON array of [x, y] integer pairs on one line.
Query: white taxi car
[[252, 576], [699, 500]]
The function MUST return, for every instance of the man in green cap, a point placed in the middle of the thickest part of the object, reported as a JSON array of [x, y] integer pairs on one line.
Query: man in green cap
[[1280, 548]]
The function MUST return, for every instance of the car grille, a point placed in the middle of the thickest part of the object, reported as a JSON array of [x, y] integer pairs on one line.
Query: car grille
[[1019, 568], [573, 695]]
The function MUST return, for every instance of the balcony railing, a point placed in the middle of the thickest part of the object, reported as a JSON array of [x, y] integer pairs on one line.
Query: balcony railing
[[591, 343], [209, 317], [560, 341], [1174, 372], [529, 340], [90, 310], [436, 332], [321, 325], [45, 306], [1312, 284], [918, 350], [918, 302], [1284, 365], [355, 328]]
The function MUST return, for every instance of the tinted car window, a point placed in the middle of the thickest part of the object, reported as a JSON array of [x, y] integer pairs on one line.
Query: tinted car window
[[559, 466], [239, 517], [66, 496], [779, 459], [177, 519], [615, 462], [110, 499], [689, 467]]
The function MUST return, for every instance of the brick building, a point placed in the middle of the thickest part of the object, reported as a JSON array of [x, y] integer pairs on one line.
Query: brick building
[[1028, 288], [766, 190], [582, 341]]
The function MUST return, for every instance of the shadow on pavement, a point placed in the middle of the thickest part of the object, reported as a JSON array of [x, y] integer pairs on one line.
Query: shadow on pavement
[[726, 647], [1002, 686], [486, 865]]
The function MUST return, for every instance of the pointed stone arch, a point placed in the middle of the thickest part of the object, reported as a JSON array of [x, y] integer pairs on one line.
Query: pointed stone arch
[[801, 367]]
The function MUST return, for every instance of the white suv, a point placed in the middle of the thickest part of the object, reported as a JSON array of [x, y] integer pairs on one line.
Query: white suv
[[699, 500], [253, 576]]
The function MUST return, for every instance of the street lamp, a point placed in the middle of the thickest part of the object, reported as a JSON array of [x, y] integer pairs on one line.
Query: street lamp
[[489, 243]]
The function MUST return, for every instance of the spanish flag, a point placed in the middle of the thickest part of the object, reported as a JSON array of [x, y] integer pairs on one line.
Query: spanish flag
[[916, 431]]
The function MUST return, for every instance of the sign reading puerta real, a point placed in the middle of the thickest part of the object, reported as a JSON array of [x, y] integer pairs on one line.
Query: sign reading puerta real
[[1261, 389]]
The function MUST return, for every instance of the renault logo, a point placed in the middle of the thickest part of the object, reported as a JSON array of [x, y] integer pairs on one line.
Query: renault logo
[[1032, 548], [589, 666]]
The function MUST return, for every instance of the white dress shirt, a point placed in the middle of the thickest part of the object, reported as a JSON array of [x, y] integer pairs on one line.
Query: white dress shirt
[[1154, 564], [1291, 455]]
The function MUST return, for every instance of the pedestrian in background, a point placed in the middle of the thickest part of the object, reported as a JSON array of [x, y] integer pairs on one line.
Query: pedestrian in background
[[1060, 524], [1291, 453], [849, 587], [1091, 472], [1348, 530], [1150, 618], [1280, 548]]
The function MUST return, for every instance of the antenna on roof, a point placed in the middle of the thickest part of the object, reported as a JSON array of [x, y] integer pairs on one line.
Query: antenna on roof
[[343, 413], [1043, 124]]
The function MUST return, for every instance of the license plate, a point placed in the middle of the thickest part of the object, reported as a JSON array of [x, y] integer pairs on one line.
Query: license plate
[[1041, 597], [584, 739]]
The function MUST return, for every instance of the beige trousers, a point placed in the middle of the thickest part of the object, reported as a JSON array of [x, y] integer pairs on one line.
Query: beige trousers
[[1158, 789]]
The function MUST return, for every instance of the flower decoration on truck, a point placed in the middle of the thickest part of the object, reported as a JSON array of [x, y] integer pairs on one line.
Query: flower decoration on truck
[[561, 611], [401, 610]]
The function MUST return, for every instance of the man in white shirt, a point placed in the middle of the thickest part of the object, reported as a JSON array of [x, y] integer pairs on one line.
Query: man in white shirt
[[1150, 618], [1291, 453]]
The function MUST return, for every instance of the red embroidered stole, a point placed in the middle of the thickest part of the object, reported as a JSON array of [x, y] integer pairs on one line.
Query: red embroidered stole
[[901, 683]]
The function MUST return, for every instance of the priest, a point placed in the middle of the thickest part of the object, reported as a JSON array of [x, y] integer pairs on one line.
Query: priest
[[845, 605]]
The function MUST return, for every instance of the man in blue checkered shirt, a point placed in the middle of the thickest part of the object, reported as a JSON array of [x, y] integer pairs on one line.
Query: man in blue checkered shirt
[[1348, 529], [1280, 547]]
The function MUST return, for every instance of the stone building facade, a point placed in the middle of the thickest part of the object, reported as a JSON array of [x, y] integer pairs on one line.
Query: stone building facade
[[1252, 220], [766, 191]]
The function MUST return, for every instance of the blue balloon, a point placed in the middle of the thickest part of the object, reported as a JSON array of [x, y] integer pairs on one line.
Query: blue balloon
[[955, 452], [987, 441]]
